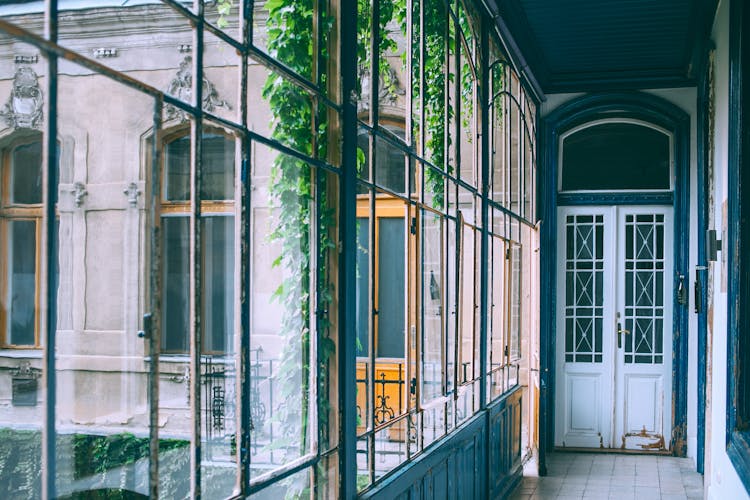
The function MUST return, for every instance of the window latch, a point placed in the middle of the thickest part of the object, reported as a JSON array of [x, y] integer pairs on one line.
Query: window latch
[[146, 332]]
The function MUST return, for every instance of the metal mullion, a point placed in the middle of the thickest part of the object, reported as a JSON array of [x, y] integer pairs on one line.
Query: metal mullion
[[456, 95], [155, 285], [414, 299], [370, 422], [347, 352], [245, 424], [408, 125], [457, 320], [519, 157], [483, 150], [49, 374], [196, 142], [422, 56]]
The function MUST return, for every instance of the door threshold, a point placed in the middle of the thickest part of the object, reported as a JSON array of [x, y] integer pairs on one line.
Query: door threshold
[[618, 451]]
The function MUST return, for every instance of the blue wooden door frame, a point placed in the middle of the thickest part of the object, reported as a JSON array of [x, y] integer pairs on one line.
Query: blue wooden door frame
[[632, 105]]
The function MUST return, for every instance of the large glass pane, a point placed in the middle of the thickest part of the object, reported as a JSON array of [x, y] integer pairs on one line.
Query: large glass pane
[[22, 289], [281, 305], [432, 299], [26, 174], [391, 286], [102, 410]]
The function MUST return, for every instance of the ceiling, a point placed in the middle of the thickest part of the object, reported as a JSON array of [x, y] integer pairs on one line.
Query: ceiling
[[584, 45]]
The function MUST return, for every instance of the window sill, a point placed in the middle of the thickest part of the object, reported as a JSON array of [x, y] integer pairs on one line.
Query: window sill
[[22, 353], [185, 359]]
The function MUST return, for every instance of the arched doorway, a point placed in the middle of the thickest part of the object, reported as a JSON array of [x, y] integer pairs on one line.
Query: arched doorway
[[615, 254]]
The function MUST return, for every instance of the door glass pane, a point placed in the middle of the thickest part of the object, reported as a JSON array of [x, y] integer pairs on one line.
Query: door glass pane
[[26, 174], [605, 157], [391, 283], [584, 301], [22, 283], [644, 288]]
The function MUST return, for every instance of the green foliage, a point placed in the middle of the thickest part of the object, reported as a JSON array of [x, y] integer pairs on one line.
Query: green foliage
[[299, 196], [97, 461]]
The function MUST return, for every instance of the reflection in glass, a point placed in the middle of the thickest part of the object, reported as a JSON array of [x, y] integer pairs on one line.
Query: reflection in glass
[[218, 284], [26, 174], [22, 284], [176, 281], [604, 156]]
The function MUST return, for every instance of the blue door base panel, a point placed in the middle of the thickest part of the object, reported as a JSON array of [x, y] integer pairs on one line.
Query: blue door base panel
[[482, 459]]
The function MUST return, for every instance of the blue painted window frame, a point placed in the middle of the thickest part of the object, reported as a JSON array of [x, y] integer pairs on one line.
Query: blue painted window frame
[[738, 260]]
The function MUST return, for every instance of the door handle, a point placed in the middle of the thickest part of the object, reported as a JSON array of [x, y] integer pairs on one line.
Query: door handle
[[620, 331]]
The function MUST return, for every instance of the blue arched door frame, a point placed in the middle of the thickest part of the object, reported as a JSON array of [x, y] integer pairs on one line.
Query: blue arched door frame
[[592, 107]]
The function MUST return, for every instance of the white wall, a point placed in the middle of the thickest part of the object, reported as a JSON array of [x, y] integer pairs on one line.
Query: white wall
[[721, 480]]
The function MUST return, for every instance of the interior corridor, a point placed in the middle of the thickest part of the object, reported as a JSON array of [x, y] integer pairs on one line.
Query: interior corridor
[[599, 476]]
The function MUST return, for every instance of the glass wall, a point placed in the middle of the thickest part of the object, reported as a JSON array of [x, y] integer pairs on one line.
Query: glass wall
[[170, 242]]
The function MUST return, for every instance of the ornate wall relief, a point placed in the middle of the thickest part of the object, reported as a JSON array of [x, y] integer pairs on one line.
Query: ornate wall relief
[[24, 106], [181, 87]]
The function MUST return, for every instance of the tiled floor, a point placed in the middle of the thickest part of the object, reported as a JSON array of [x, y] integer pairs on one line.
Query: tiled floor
[[605, 476]]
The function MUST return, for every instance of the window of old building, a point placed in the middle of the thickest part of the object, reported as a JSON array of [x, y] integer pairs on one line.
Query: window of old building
[[20, 235], [217, 226]]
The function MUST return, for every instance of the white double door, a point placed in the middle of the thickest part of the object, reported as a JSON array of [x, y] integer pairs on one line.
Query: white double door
[[614, 327]]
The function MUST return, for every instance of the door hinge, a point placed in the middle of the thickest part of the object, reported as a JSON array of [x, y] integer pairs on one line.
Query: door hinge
[[413, 225]]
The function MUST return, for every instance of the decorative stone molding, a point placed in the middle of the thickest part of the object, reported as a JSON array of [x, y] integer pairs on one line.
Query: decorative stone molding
[[25, 385], [185, 48], [26, 371], [132, 192], [181, 87], [389, 88], [24, 106], [26, 59], [103, 52], [79, 192]]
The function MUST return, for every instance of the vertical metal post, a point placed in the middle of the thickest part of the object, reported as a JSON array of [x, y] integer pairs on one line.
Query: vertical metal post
[[484, 96], [373, 161], [347, 264], [196, 291], [154, 329], [245, 424], [49, 465]]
